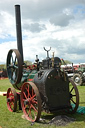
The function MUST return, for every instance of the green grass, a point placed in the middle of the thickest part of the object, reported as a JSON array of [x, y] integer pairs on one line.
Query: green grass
[[14, 120], [81, 90], [5, 84]]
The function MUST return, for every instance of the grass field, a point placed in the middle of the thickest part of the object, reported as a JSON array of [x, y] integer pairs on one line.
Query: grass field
[[15, 120]]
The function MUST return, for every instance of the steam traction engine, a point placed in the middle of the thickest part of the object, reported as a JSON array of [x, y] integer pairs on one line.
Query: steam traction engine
[[41, 86]]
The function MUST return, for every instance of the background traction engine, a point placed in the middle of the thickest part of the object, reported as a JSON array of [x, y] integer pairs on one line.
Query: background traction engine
[[40, 86]]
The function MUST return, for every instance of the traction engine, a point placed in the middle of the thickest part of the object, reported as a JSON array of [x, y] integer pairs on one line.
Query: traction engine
[[42, 85]]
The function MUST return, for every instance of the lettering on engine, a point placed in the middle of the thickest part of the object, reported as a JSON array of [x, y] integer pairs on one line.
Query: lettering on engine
[[57, 91]]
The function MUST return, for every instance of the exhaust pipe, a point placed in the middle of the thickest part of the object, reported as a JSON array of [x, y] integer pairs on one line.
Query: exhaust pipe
[[18, 30]]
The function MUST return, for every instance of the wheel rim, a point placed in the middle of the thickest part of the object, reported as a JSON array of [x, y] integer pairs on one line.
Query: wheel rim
[[12, 100], [31, 101], [77, 80], [14, 66], [74, 97]]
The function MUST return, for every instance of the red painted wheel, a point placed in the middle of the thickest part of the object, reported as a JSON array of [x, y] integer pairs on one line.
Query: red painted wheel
[[11, 99], [74, 97], [31, 101]]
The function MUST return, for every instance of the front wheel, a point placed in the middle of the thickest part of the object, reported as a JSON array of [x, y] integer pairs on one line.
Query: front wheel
[[12, 99], [31, 101]]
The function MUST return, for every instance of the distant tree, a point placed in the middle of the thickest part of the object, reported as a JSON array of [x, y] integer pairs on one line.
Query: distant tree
[[65, 62], [68, 62], [27, 62], [2, 66]]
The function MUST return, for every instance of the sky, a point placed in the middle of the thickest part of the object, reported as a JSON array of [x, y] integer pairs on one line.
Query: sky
[[59, 24]]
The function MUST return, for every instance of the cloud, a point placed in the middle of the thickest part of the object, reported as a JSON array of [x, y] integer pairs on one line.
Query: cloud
[[7, 25], [61, 20], [4, 48], [34, 27], [57, 24], [36, 9]]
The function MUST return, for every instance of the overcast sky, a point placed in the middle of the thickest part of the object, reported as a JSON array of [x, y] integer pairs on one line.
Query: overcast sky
[[59, 24]]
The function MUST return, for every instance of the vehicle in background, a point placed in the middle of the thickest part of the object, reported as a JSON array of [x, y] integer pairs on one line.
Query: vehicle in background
[[75, 71]]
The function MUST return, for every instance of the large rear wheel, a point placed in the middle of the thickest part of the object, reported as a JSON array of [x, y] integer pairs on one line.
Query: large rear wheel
[[74, 97], [14, 66]]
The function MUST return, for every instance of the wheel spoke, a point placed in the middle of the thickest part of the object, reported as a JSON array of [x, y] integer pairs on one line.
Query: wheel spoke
[[73, 101], [16, 67], [12, 59], [25, 95], [34, 102], [34, 107], [73, 95], [25, 106], [11, 92], [10, 66], [11, 99], [32, 92], [71, 89], [11, 95], [15, 60], [12, 104], [29, 112], [33, 96], [34, 113], [27, 89]]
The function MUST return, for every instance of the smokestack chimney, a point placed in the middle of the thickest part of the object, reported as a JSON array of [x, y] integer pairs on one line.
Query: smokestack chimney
[[18, 30]]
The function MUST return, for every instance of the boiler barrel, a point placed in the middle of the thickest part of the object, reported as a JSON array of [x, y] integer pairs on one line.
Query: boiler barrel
[[27, 77], [54, 90]]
